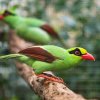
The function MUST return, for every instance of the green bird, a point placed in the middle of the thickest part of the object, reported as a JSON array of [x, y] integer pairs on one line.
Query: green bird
[[50, 58], [31, 29]]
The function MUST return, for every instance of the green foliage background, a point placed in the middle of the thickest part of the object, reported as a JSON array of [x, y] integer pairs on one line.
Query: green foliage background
[[78, 22]]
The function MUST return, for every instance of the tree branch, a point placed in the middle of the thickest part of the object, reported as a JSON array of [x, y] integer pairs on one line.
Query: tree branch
[[47, 90]]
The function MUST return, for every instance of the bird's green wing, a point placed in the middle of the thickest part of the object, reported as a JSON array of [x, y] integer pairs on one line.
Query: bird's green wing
[[39, 53], [33, 22]]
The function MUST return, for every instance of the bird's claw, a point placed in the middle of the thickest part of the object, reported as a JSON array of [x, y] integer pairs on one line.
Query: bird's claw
[[51, 77]]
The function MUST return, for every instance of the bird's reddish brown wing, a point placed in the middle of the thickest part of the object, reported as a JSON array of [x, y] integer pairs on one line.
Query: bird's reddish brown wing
[[50, 30], [39, 53]]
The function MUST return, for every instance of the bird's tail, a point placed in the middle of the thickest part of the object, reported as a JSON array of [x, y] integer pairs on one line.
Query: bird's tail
[[10, 56]]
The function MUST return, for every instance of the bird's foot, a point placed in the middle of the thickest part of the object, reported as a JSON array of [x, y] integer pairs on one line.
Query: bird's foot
[[51, 77]]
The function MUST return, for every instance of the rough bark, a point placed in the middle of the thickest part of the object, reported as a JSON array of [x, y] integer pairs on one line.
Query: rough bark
[[47, 90]]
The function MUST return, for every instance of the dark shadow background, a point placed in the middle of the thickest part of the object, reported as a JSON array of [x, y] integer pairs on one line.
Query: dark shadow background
[[78, 22]]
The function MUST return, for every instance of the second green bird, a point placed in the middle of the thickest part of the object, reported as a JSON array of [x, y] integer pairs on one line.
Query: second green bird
[[31, 29]]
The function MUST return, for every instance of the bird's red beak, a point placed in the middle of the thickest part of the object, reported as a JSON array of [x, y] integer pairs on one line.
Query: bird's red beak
[[1, 17], [88, 56]]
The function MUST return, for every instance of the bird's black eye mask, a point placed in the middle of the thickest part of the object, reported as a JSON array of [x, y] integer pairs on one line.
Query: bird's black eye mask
[[76, 52], [7, 13]]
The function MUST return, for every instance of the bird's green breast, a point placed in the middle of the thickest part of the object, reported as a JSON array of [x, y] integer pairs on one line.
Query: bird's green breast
[[43, 66], [57, 65]]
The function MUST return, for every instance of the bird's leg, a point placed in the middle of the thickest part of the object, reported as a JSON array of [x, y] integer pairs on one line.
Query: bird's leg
[[51, 77]]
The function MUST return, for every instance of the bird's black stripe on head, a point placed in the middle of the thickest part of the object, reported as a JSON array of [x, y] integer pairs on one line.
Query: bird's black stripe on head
[[7, 13], [76, 52]]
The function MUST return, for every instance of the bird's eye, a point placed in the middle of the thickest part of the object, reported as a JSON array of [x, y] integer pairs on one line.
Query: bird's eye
[[77, 53]]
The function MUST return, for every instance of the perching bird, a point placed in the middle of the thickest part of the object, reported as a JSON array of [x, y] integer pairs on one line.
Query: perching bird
[[50, 58], [31, 29]]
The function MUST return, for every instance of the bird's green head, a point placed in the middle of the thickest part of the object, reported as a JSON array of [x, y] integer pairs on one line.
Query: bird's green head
[[5, 14], [10, 18], [78, 54]]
